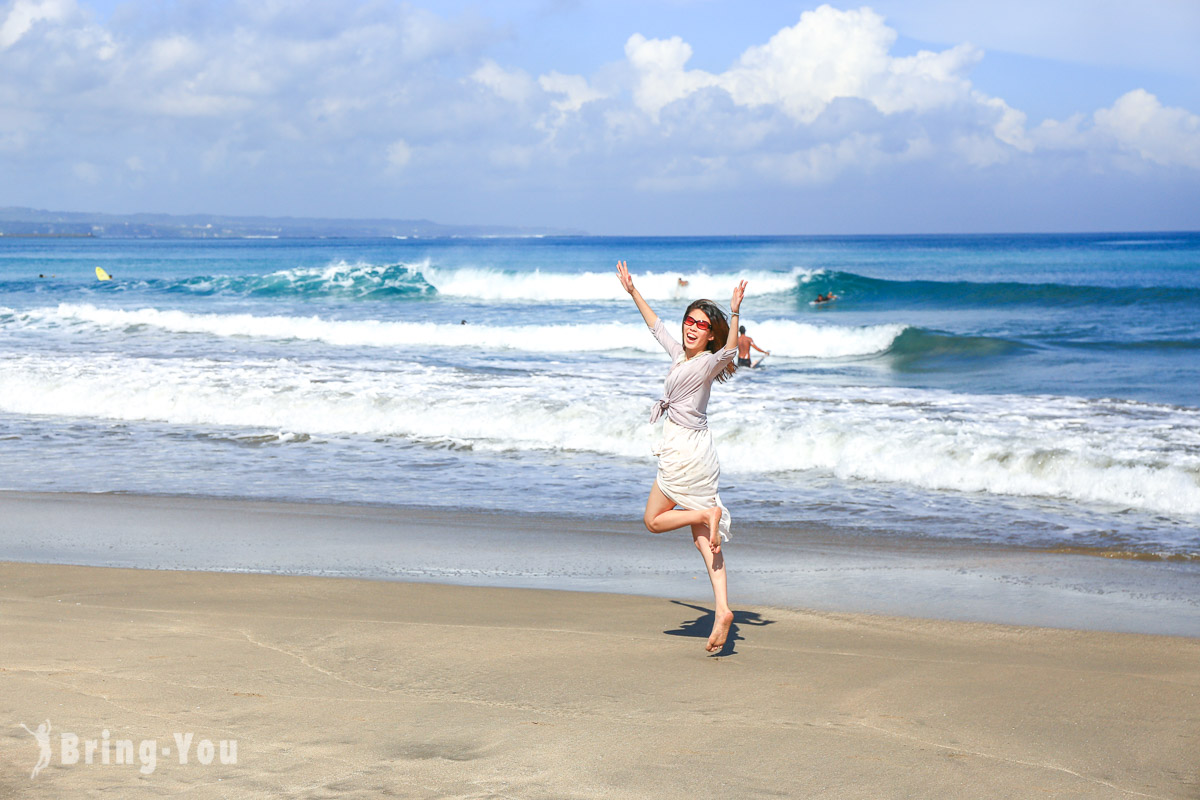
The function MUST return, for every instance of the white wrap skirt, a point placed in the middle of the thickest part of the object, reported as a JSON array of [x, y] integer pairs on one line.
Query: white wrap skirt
[[688, 470]]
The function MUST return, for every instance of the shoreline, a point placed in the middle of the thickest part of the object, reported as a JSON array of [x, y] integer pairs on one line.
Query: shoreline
[[362, 689], [770, 565], [899, 540]]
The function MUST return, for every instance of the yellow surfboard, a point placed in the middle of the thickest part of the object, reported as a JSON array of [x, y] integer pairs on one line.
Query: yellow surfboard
[[101, 275]]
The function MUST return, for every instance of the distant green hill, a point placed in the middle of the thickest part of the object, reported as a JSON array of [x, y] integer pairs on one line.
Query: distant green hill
[[16, 221]]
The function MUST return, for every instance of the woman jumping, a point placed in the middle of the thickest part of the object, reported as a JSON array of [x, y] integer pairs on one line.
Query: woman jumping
[[688, 470]]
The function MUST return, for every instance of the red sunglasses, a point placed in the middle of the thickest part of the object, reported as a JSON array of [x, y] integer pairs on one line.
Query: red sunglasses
[[702, 324]]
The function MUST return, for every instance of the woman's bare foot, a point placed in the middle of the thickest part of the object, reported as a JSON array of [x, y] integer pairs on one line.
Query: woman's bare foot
[[714, 529], [720, 631]]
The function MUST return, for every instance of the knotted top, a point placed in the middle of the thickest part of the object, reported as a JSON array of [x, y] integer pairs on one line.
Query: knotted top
[[660, 405]]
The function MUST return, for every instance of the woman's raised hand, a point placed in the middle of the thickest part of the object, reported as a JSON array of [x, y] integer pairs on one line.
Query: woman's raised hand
[[626, 278], [736, 302], [627, 282]]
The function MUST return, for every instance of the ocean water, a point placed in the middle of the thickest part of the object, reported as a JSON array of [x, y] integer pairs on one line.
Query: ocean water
[[1037, 391]]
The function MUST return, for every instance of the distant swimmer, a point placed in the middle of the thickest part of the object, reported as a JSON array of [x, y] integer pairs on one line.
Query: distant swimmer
[[744, 343], [826, 298]]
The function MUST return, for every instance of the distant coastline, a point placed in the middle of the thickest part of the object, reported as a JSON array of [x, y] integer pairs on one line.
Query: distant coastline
[[6, 235], [31, 222]]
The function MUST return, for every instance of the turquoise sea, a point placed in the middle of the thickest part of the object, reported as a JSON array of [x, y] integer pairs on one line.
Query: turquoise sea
[[1037, 391]]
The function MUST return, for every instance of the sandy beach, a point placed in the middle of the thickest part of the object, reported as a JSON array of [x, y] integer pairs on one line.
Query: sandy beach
[[352, 688], [345, 687]]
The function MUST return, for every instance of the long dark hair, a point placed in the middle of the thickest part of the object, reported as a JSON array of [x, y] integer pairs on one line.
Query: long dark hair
[[719, 330]]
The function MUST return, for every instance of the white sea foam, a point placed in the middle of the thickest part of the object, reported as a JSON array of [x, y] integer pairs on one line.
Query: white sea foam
[[1122, 455], [1125, 455], [781, 337], [804, 340], [537, 286], [517, 412]]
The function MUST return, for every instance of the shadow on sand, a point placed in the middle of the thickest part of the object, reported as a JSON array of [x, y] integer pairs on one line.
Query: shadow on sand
[[701, 626]]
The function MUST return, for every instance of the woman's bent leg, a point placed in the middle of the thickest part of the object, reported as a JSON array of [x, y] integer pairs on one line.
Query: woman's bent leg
[[715, 562], [661, 516]]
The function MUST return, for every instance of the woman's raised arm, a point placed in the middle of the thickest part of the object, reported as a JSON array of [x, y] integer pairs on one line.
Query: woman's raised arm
[[735, 306], [627, 282]]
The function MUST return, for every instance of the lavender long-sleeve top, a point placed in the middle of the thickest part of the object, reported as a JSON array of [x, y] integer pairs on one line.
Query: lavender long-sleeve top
[[685, 392]]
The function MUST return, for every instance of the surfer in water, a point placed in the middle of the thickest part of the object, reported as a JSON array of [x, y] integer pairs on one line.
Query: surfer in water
[[744, 343], [684, 493], [826, 298]]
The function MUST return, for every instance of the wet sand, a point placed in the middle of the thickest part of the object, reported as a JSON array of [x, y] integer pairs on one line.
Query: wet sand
[[807, 568], [358, 688]]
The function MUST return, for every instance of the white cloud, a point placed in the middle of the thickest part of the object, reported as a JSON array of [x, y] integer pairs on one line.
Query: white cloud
[[923, 81], [24, 14], [173, 52], [828, 54], [1061, 135], [513, 85], [1010, 128], [573, 88], [661, 76], [181, 79], [1135, 132], [1141, 124], [818, 98]]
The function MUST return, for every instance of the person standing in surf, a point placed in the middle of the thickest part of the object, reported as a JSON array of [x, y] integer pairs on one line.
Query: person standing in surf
[[744, 343], [684, 493]]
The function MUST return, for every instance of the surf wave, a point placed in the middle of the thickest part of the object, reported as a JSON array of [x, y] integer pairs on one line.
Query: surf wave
[[917, 345], [405, 281], [423, 279], [339, 279], [860, 289], [1117, 454], [787, 338]]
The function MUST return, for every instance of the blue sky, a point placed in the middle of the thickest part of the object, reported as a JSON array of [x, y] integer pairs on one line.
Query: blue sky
[[619, 117]]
